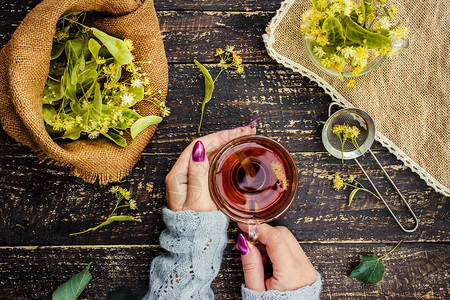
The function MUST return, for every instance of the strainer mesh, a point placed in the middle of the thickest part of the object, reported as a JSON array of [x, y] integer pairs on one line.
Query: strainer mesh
[[350, 119]]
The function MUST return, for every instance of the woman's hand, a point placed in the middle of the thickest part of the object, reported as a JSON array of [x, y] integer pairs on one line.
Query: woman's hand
[[291, 268], [187, 182]]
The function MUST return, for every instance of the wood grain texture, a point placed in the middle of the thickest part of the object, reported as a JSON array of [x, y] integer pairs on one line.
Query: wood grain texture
[[413, 271], [43, 204]]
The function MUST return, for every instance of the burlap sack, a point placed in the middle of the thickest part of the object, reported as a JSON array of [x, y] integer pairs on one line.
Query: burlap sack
[[408, 96], [24, 64]]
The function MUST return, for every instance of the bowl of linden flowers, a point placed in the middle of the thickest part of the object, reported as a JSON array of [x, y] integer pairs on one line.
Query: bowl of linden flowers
[[347, 39]]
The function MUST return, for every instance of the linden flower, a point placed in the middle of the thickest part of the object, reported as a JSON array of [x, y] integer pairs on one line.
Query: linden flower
[[279, 173], [129, 44], [338, 183], [318, 51], [219, 51], [384, 23], [136, 82], [100, 60], [393, 10], [127, 98], [351, 83], [145, 81], [133, 205], [229, 49]]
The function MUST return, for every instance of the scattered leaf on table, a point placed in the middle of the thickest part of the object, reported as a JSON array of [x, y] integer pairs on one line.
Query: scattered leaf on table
[[209, 88], [370, 270], [71, 289]]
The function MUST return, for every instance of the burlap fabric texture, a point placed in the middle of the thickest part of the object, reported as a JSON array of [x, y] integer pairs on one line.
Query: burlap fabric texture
[[24, 64], [408, 96]]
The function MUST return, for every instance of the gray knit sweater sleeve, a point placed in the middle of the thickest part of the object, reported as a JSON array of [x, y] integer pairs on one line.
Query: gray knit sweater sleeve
[[310, 292], [195, 242]]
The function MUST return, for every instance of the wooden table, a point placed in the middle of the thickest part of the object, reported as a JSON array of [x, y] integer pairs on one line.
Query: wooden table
[[41, 204]]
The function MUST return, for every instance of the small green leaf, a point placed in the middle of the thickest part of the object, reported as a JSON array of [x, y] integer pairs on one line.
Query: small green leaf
[[357, 34], [97, 104], [73, 134], [94, 47], [116, 47], [116, 138], [209, 88], [138, 93], [143, 123], [109, 221], [352, 195], [57, 50], [71, 289], [49, 112], [366, 8], [370, 269], [333, 30]]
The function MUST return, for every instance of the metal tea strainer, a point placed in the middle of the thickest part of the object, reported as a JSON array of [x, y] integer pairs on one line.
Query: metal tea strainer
[[362, 120]]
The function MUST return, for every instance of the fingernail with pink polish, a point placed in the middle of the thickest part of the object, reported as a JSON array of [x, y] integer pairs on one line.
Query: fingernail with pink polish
[[198, 153], [241, 245], [252, 123]]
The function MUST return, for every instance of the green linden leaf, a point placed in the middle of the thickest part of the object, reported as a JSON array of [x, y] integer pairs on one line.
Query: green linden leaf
[[116, 47], [370, 269], [209, 88], [71, 289], [143, 123]]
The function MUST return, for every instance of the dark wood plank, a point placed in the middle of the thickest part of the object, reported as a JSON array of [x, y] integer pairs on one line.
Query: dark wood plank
[[293, 112], [43, 204], [413, 271], [187, 35]]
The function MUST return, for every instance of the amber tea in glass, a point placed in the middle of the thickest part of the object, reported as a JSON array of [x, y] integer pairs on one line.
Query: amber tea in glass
[[253, 179]]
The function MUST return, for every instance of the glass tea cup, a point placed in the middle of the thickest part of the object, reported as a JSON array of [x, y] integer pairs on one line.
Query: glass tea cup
[[253, 180]]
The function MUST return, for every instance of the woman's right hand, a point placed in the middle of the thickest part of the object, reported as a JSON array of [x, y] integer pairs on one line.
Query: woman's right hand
[[277, 245]]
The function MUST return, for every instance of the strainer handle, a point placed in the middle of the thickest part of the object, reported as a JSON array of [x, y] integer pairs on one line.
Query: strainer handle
[[396, 189], [330, 106]]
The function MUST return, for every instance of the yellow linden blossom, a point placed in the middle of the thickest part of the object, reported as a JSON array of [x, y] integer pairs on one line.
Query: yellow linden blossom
[[393, 9], [145, 81], [61, 35], [129, 44], [219, 51], [279, 173], [351, 83], [322, 39], [385, 50], [370, 17], [240, 70], [100, 60], [321, 4], [237, 59], [229, 49], [399, 33], [338, 183]]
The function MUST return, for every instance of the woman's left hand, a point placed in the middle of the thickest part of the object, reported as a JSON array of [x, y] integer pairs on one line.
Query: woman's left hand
[[187, 182]]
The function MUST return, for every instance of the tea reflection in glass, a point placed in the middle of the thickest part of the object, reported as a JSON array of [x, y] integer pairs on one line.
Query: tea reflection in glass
[[253, 179]]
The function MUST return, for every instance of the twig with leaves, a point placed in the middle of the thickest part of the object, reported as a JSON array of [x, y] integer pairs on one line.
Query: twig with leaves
[[340, 183], [229, 59], [121, 195]]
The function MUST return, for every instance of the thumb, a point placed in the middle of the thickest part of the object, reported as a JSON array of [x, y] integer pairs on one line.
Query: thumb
[[198, 198], [252, 265]]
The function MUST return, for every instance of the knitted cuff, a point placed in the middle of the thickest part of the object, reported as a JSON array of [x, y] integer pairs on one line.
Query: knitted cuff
[[309, 292], [186, 228]]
